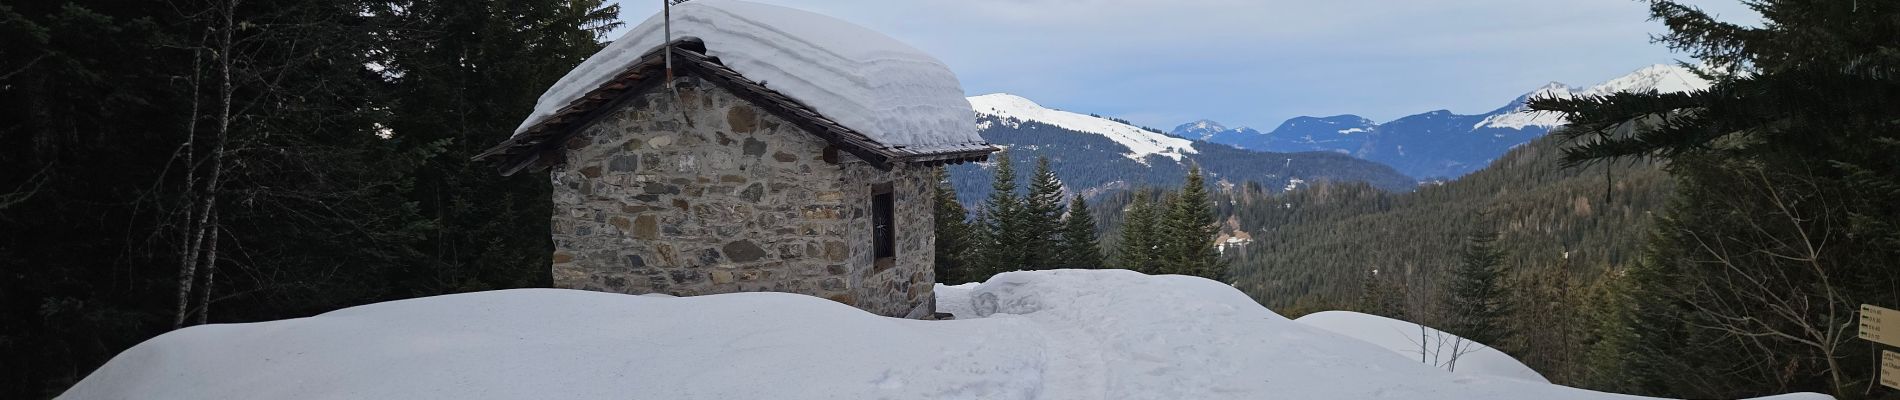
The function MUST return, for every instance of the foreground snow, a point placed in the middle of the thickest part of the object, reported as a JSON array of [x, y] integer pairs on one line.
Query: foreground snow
[[1025, 335], [1423, 344]]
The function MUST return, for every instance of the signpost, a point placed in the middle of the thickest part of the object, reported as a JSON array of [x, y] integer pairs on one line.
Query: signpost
[[1890, 369], [1880, 325]]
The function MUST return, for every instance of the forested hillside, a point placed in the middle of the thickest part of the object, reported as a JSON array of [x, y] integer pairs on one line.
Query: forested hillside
[[1318, 244], [1547, 243]]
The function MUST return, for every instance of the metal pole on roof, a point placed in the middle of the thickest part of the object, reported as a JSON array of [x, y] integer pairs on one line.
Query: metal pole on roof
[[666, 7], [666, 10]]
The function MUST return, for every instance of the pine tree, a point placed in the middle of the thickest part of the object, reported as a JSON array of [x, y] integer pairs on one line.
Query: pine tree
[[1139, 245], [1189, 229], [953, 234], [1078, 247], [1002, 223], [1371, 293], [467, 74], [1785, 173], [1475, 297], [1041, 217]]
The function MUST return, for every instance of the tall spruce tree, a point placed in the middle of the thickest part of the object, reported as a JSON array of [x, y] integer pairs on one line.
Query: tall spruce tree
[[1002, 223], [1189, 229], [226, 161], [1475, 296], [466, 73], [1785, 173], [1078, 247], [953, 234], [1138, 248], [1042, 217]]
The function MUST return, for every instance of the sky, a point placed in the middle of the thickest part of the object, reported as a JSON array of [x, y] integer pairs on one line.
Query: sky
[[1258, 62]]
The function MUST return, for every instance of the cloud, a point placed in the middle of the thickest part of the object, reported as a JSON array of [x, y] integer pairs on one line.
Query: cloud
[[1255, 63]]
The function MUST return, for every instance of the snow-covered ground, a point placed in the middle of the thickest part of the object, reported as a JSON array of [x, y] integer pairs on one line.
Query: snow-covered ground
[[1423, 344], [1067, 334]]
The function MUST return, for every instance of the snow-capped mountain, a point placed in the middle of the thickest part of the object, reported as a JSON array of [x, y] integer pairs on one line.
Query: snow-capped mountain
[[1443, 144], [1652, 79], [1092, 153], [1211, 131], [1009, 109]]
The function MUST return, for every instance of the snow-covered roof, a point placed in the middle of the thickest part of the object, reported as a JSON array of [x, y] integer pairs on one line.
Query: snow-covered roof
[[899, 98]]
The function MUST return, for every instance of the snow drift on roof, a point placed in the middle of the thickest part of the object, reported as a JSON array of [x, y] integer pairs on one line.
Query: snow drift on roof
[[862, 79]]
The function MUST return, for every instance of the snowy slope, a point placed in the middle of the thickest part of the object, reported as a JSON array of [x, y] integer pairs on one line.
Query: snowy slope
[[1028, 335], [860, 78], [1140, 142], [1659, 78], [1413, 341], [1520, 116]]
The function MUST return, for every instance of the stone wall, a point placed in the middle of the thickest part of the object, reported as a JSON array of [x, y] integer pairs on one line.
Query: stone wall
[[905, 288], [706, 193]]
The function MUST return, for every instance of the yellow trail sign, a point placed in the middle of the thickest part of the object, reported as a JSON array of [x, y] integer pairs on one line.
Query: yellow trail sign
[[1890, 369], [1880, 324]]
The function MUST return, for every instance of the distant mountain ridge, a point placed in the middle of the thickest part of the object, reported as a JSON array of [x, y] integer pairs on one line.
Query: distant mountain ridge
[[1093, 154], [1440, 143]]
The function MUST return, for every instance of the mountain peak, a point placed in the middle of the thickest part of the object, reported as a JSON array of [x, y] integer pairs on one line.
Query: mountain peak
[[1549, 90], [1002, 101], [1659, 78], [1140, 142], [1208, 130], [1202, 125]]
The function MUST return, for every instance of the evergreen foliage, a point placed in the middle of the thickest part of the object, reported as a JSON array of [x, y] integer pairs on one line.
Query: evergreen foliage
[[954, 235], [175, 163], [1475, 296], [1030, 232], [1187, 229], [1565, 236], [1787, 175], [1320, 241], [1002, 220], [1042, 217], [1139, 248], [1078, 247]]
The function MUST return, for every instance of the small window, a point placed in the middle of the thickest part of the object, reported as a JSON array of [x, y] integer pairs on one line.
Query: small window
[[883, 233]]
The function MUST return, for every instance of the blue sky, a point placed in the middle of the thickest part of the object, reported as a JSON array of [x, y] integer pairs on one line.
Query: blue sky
[[1258, 62]]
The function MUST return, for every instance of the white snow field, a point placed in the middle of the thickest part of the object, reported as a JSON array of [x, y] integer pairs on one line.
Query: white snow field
[[1423, 344], [855, 76], [1067, 334]]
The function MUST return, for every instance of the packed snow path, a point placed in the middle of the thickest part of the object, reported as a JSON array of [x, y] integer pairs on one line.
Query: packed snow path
[[1026, 335]]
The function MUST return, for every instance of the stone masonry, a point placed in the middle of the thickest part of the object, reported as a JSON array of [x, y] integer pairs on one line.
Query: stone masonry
[[706, 193]]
